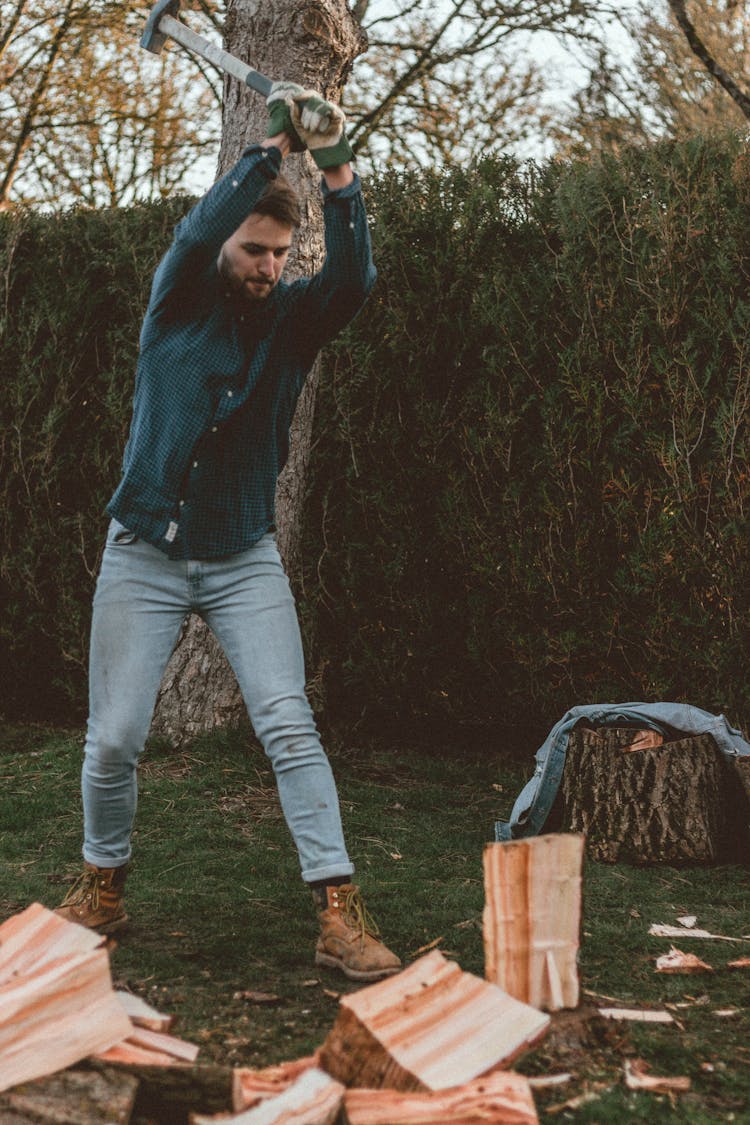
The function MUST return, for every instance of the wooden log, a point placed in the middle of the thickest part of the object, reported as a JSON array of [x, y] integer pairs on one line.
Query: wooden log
[[503, 1098], [73, 1097], [430, 1027], [313, 1099], [251, 1087], [532, 918], [167, 1094], [57, 1004], [680, 802]]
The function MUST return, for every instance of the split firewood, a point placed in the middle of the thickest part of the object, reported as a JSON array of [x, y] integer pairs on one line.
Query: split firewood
[[678, 962], [430, 1027], [504, 1098], [638, 1078], [57, 1004], [532, 918], [150, 1048], [313, 1099], [251, 1087], [142, 1014]]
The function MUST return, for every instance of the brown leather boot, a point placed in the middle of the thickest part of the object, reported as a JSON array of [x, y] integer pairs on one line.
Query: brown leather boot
[[349, 937], [95, 899]]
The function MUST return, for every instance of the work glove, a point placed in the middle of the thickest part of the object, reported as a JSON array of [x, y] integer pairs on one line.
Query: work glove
[[310, 122]]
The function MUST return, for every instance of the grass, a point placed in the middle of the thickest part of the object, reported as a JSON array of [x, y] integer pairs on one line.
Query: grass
[[218, 909]]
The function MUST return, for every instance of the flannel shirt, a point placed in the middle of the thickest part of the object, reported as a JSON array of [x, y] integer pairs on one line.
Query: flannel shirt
[[218, 376]]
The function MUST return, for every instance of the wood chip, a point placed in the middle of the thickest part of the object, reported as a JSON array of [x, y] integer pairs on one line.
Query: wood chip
[[678, 962], [643, 1015], [657, 930], [740, 963], [638, 1078]]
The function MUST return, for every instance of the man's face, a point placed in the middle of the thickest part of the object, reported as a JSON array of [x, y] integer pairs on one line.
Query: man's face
[[252, 260]]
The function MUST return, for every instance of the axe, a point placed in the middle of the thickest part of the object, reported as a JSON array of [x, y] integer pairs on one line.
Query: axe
[[161, 25]]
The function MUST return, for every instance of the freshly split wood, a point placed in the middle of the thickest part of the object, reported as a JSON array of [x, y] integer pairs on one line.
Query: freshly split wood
[[532, 918], [430, 1027], [57, 1004]]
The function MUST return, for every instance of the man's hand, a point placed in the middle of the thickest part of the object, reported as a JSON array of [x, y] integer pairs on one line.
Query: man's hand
[[311, 123]]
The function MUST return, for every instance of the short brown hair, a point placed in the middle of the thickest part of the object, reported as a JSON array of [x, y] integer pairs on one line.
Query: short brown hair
[[280, 201]]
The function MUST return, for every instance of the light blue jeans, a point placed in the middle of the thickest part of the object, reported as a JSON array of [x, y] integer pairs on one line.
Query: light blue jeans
[[141, 601]]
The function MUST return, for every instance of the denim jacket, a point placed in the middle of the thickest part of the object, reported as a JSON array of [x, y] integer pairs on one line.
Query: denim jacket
[[534, 802]]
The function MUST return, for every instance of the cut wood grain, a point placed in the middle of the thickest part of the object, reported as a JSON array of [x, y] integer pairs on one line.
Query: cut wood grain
[[313, 1099], [57, 1004], [532, 918], [430, 1027], [503, 1098]]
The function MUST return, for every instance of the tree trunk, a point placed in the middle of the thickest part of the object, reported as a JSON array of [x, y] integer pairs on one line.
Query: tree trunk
[[314, 43], [680, 802]]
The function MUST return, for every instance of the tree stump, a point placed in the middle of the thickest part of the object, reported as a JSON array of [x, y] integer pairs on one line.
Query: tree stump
[[677, 802]]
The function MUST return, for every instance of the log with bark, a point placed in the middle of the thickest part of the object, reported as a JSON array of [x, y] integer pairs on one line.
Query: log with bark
[[430, 1027], [532, 918], [678, 802]]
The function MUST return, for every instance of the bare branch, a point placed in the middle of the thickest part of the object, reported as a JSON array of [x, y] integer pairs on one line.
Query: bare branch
[[701, 52]]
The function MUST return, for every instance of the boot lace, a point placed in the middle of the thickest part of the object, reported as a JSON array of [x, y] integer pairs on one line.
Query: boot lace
[[85, 886], [358, 916]]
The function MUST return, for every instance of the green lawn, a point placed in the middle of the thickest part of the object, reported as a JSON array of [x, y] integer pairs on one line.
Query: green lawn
[[217, 908]]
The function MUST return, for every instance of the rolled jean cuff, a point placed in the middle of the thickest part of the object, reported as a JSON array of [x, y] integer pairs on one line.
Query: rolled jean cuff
[[333, 871]]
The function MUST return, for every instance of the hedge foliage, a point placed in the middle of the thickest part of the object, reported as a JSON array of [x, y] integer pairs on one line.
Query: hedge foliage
[[74, 288], [531, 485], [530, 481]]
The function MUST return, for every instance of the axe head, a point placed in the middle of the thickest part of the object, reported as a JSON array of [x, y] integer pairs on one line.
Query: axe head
[[153, 39]]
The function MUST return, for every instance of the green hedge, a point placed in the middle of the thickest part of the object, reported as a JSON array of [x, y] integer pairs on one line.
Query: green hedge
[[530, 477], [74, 288], [531, 483]]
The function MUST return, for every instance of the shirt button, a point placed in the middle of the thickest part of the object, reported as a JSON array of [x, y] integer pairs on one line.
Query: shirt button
[[214, 429], [351, 226], [195, 464], [234, 183], [230, 394], [182, 503]]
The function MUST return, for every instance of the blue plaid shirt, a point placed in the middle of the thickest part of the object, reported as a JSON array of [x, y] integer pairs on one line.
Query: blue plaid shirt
[[218, 377]]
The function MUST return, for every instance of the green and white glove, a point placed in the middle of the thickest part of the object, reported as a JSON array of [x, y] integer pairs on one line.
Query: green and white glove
[[317, 124], [279, 102]]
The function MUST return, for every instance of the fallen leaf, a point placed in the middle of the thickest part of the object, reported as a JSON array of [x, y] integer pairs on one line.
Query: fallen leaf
[[638, 1078], [678, 962]]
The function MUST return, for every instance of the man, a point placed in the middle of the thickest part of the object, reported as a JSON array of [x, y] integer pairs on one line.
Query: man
[[224, 351]]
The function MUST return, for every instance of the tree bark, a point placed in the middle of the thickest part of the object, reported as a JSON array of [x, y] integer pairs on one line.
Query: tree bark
[[680, 802], [314, 43]]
